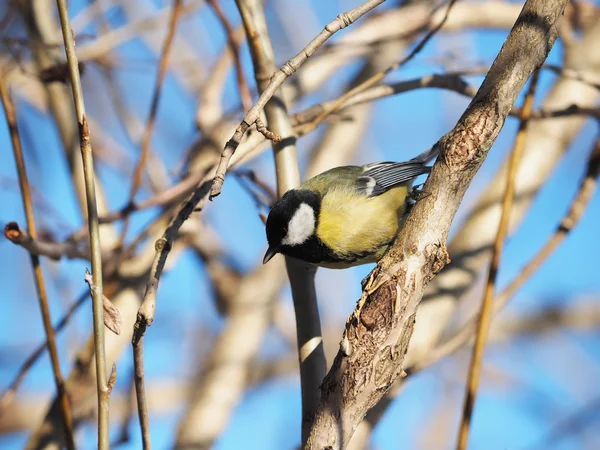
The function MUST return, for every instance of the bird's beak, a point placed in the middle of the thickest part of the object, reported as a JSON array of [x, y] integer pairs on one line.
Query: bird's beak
[[271, 251]]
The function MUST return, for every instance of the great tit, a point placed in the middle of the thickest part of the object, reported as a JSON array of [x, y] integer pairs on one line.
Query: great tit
[[345, 216]]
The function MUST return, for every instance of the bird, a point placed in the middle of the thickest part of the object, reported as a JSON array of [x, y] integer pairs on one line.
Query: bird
[[345, 216]]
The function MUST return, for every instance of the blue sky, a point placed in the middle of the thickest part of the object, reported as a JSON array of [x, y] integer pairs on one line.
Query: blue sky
[[513, 418]]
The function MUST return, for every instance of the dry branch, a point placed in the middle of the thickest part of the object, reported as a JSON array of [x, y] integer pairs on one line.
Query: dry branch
[[277, 79], [485, 315], [145, 315], [94, 231], [471, 247], [149, 128], [11, 120], [374, 346], [53, 250], [301, 275], [567, 224]]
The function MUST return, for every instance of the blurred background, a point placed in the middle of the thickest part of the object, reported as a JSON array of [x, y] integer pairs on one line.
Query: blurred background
[[539, 380]]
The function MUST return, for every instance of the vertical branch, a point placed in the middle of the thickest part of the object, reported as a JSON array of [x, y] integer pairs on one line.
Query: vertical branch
[[11, 120], [145, 315], [94, 232], [140, 392], [487, 305], [301, 275], [234, 45], [145, 147]]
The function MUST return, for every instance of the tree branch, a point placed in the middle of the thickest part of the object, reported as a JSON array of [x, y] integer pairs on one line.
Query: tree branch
[[11, 120], [567, 224], [373, 348], [102, 383], [149, 128], [277, 79], [485, 314], [301, 275]]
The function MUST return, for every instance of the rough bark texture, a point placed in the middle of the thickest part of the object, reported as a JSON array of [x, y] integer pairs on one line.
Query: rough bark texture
[[373, 348]]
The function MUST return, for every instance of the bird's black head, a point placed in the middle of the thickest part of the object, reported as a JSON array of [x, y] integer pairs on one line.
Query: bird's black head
[[292, 222]]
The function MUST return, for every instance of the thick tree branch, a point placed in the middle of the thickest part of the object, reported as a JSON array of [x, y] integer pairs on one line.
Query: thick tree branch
[[373, 348], [301, 275]]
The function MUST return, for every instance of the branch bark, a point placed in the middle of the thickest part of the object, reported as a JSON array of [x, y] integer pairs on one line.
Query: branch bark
[[485, 314], [301, 275], [11, 120], [373, 348], [276, 80], [102, 383]]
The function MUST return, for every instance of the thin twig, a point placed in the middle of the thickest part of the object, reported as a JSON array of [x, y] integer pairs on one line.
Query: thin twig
[[452, 81], [11, 120], [262, 129], [9, 393], [145, 147], [51, 249], [379, 76], [567, 224], [487, 306], [92, 215], [342, 21], [145, 315], [234, 44]]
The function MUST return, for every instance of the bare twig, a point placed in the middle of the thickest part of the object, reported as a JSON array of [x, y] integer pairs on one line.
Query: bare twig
[[452, 81], [372, 350], [53, 250], [9, 393], [235, 45], [11, 120], [140, 390], [145, 147], [262, 129], [486, 308], [145, 315], [342, 21], [94, 232], [379, 76]]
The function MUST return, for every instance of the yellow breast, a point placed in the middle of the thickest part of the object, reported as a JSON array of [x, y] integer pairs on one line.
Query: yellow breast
[[353, 224]]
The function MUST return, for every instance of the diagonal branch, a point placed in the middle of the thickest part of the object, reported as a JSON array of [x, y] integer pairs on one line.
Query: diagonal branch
[[372, 81], [149, 128], [373, 348], [277, 79], [567, 224], [485, 315]]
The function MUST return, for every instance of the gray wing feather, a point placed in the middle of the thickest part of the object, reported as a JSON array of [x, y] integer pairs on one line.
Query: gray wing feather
[[380, 177]]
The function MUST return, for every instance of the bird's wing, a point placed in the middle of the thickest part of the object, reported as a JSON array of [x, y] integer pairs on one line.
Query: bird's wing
[[378, 178]]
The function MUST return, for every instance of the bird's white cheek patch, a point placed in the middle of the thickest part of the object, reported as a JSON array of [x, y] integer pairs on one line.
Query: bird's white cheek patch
[[301, 226]]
